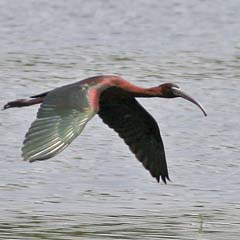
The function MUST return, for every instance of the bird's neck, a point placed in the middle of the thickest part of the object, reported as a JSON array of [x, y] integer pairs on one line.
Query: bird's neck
[[154, 92], [136, 91], [146, 92]]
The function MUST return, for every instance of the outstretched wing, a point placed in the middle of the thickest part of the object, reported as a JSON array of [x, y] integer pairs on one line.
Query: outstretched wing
[[138, 129], [60, 119]]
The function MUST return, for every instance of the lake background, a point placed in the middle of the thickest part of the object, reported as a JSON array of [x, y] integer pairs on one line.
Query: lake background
[[96, 189]]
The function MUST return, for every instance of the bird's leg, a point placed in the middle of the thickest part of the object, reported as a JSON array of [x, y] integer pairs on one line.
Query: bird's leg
[[22, 103]]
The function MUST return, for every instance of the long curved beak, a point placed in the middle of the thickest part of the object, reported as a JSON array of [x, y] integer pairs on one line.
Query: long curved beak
[[179, 93]]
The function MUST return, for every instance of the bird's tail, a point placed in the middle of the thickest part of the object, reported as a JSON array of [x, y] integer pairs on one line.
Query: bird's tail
[[22, 103]]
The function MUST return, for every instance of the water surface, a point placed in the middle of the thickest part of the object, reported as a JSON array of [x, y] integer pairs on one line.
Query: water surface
[[96, 189]]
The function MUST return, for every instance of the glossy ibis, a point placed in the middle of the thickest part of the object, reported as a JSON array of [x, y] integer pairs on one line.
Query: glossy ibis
[[64, 112]]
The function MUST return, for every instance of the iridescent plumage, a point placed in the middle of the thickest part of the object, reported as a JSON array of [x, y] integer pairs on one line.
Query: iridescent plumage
[[65, 111]]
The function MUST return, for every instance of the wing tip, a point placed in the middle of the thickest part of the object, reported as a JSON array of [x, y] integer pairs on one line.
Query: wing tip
[[33, 158], [28, 159], [164, 178]]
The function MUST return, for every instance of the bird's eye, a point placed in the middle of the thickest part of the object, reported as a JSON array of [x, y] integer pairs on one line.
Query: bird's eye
[[175, 85]]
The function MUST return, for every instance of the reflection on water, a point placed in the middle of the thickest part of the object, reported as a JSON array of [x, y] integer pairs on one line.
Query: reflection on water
[[96, 188]]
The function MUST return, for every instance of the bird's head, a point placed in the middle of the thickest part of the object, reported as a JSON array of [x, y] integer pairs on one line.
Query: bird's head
[[172, 90]]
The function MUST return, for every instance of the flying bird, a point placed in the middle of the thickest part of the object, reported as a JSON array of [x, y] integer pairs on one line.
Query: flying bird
[[65, 111]]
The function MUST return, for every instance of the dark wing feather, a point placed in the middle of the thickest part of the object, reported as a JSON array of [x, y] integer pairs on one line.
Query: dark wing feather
[[40, 95], [138, 129]]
